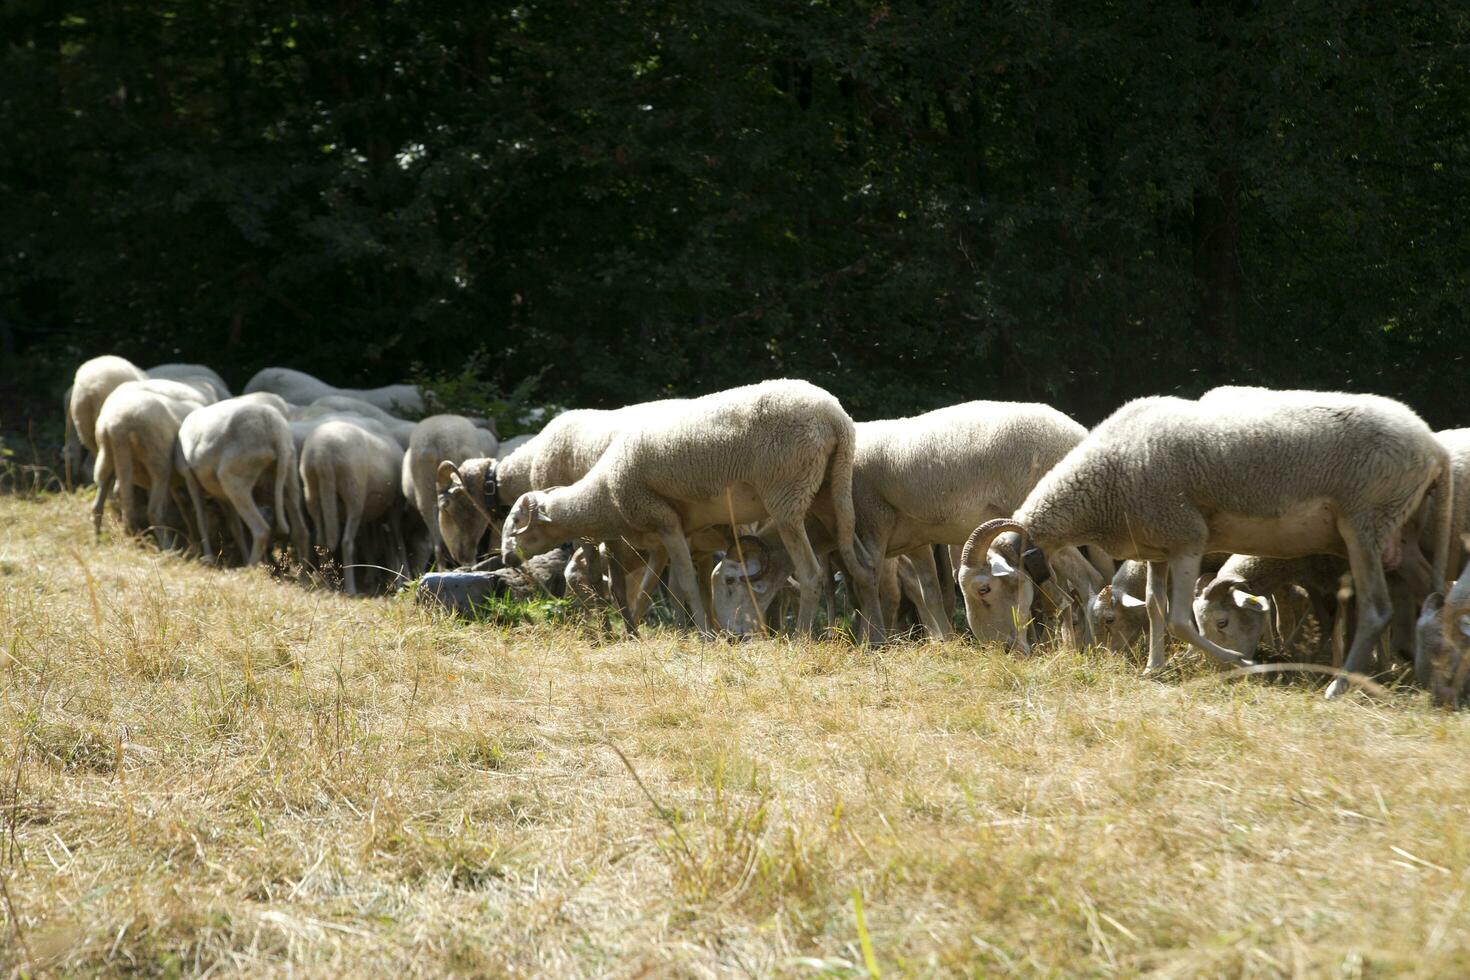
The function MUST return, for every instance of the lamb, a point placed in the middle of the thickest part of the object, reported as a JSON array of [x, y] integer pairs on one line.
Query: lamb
[[135, 433], [1252, 471], [764, 450], [224, 450], [300, 388], [436, 440], [360, 467], [921, 481], [1235, 607], [1118, 611]]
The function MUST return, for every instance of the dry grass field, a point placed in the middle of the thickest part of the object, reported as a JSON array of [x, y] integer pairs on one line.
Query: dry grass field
[[209, 771]]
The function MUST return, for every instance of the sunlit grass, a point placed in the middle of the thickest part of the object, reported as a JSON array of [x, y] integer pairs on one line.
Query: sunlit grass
[[205, 769]]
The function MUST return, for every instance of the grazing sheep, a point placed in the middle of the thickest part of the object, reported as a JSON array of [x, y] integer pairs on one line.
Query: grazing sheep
[[135, 433], [1249, 471], [351, 463], [192, 373], [436, 440], [764, 450], [1442, 644], [1239, 605], [90, 386], [225, 451], [921, 481], [1118, 612], [473, 498], [300, 388]]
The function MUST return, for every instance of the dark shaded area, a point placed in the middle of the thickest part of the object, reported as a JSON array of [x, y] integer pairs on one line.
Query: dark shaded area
[[910, 203]]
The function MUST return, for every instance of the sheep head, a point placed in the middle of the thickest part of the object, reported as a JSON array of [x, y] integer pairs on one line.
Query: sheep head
[[1442, 644], [529, 529], [742, 590], [993, 577], [1118, 616], [1230, 614], [464, 511]]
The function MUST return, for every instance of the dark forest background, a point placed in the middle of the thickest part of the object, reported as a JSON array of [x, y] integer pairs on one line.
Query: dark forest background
[[910, 203]]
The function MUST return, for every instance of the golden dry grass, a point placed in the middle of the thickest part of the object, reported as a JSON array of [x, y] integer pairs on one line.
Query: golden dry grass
[[210, 771]]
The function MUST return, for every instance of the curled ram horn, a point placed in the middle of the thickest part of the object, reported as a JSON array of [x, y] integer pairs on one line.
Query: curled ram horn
[[983, 535]]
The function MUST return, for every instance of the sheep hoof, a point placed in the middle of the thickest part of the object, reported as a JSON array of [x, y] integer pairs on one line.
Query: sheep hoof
[[1337, 688]]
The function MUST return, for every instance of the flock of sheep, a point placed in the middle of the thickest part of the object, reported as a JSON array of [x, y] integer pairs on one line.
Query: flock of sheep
[[1322, 524]]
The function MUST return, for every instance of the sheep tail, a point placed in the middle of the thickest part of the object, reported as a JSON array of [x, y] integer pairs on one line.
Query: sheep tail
[[839, 479]]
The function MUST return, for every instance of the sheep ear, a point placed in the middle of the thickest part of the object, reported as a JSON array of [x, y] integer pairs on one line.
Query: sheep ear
[[1132, 601], [542, 516], [1246, 600], [1000, 568], [1202, 583], [446, 473]]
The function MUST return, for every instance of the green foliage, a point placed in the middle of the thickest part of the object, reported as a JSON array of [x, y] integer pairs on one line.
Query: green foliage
[[471, 390], [908, 203]]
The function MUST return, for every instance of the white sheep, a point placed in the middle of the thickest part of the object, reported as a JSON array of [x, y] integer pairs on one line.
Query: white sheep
[[1250, 595], [1442, 644], [93, 382], [764, 450], [917, 482], [135, 433], [356, 465], [1247, 471], [1118, 611], [474, 498], [436, 440], [225, 451], [300, 388], [192, 373], [335, 406]]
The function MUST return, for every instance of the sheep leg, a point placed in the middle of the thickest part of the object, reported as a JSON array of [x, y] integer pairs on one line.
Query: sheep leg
[[1158, 637], [653, 569], [890, 594], [241, 496], [621, 557], [158, 493], [681, 565], [1076, 573], [1183, 570], [807, 570], [1370, 592], [349, 549], [104, 479], [397, 543], [931, 609], [127, 493]]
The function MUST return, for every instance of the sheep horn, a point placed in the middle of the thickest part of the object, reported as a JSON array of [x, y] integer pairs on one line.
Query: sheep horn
[[983, 535], [751, 546]]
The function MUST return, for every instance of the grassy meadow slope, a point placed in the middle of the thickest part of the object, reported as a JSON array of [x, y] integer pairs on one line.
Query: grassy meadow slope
[[207, 770]]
